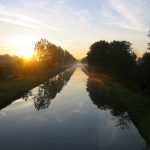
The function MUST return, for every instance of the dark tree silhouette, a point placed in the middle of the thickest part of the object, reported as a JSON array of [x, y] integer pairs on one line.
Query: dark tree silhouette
[[116, 57], [84, 60], [99, 54], [142, 74], [123, 59]]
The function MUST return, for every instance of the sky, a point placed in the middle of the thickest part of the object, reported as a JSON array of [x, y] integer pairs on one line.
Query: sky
[[72, 24]]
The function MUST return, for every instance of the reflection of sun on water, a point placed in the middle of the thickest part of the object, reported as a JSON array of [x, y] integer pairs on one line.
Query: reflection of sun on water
[[25, 46]]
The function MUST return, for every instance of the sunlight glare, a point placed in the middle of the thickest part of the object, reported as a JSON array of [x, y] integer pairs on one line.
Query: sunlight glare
[[25, 46]]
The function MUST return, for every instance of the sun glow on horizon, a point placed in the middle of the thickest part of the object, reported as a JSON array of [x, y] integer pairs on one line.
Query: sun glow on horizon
[[24, 46], [27, 54]]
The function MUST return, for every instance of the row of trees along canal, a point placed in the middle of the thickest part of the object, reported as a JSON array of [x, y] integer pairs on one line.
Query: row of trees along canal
[[47, 57], [119, 59]]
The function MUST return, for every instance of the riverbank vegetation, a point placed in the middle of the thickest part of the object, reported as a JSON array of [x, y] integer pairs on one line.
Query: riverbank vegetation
[[18, 75], [128, 76], [118, 59], [137, 104]]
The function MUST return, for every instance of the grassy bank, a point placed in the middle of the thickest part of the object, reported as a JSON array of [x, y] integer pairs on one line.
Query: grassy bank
[[13, 89], [138, 106]]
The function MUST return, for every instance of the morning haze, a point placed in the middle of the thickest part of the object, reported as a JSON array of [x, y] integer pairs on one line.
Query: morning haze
[[74, 75]]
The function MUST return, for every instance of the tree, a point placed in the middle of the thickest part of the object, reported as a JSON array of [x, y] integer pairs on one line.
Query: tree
[[142, 74], [10, 66], [41, 49], [99, 54], [123, 59], [50, 55], [116, 57]]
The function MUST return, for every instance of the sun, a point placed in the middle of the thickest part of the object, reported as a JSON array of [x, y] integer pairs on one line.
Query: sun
[[25, 46], [27, 54]]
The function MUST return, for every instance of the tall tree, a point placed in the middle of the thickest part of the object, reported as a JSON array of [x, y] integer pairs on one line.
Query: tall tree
[[115, 57], [52, 55]]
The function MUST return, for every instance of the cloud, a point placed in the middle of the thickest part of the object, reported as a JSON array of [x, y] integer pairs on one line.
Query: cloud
[[123, 14], [25, 21], [68, 22], [33, 4], [18, 19], [18, 23], [82, 15], [2, 7], [61, 1]]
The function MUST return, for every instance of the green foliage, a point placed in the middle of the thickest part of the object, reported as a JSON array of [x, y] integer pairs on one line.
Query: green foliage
[[10, 66], [116, 57], [47, 56], [13, 89], [51, 55], [138, 106], [18, 75]]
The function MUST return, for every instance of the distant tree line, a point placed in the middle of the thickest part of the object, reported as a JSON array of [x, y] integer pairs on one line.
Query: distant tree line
[[47, 57], [10, 66], [51, 55], [119, 59]]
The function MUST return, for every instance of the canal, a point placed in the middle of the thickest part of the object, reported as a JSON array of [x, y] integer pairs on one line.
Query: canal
[[72, 111]]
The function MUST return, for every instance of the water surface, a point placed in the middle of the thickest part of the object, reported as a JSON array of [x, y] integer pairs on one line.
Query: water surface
[[71, 111]]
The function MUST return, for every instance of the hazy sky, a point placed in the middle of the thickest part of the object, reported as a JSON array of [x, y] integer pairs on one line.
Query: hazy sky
[[72, 24]]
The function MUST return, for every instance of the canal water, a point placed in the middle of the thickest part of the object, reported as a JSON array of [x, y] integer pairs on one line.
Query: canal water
[[72, 111]]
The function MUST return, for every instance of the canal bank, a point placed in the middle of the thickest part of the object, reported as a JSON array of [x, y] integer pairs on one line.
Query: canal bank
[[15, 88], [138, 105], [69, 111]]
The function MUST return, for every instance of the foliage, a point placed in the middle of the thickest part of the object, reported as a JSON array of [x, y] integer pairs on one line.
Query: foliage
[[137, 105], [119, 59], [10, 66], [51, 55], [84, 60], [47, 57], [115, 57], [142, 74]]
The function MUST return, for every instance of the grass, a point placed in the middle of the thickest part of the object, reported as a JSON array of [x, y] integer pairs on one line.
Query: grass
[[13, 89], [138, 106]]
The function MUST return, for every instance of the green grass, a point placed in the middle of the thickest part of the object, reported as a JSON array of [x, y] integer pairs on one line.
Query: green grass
[[13, 89], [138, 106]]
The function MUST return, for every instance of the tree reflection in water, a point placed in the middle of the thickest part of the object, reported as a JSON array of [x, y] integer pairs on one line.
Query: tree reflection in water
[[106, 100], [27, 95], [48, 90]]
